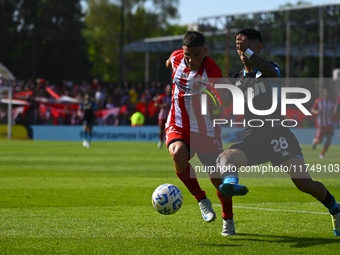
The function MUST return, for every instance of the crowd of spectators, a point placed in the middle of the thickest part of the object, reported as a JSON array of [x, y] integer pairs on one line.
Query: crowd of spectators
[[124, 98], [127, 97]]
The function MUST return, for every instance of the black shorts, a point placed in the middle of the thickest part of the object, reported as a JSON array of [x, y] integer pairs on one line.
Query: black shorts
[[88, 122], [275, 146]]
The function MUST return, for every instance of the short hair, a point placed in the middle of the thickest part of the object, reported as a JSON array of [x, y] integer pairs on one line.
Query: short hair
[[193, 39], [251, 33]]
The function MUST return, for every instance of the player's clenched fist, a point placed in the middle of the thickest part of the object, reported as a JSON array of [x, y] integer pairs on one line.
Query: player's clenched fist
[[242, 43]]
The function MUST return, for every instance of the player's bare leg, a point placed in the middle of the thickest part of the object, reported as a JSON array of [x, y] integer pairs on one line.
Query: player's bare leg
[[326, 145], [180, 156], [88, 132], [85, 141], [304, 182], [185, 172], [229, 161], [160, 135]]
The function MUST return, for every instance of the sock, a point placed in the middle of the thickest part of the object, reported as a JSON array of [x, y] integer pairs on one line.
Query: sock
[[230, 179], [85, 135], [203, 198], [325, 148], [227, 170], [188, 177], [227, 206], [89, 136], [330, 203], [160, 137]]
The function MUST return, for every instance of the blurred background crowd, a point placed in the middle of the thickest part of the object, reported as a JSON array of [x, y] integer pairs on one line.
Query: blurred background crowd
[[43, 102]]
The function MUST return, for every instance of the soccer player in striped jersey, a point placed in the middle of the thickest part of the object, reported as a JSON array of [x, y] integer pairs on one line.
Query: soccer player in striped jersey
[[337, 109], [264, 143], [188, 131], [163, 102], [323, 107]]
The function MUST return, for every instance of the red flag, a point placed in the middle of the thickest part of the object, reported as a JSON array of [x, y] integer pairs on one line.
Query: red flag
[[52, 93]]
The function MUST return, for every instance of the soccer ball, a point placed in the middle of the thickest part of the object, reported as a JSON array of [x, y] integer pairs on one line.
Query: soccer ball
[[167, 199]]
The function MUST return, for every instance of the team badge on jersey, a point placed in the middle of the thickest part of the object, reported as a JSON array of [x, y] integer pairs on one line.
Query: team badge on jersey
[[185, 75]]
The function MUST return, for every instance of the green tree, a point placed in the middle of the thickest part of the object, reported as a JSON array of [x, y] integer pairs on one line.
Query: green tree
[[112, 24], [11, 44], [298, 3], [47, 35]]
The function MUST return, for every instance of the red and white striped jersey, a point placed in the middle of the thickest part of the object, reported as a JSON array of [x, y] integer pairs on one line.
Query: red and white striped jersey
[[325, 106], [163, 112], [338, 102], [185, 111]]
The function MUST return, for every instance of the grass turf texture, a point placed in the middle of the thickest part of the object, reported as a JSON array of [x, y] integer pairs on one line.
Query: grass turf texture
[[59, 197]]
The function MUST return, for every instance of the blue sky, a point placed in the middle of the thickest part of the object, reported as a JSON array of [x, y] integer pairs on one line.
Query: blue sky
[[191, 10]]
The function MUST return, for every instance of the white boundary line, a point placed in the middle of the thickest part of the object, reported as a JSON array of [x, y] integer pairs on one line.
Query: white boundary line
[[272, 209]]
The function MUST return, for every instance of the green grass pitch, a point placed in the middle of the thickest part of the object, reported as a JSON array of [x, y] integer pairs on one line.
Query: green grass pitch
[[61, 198]]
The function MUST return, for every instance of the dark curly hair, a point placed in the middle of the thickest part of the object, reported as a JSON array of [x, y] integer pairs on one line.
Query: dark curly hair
[[251, 33]]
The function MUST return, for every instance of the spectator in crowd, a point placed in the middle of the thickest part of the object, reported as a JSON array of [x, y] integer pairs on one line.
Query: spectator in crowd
[[116, 98], [133, 95], [140, 90], [125, 97], [108, 95], [99, 97], [146, 97]]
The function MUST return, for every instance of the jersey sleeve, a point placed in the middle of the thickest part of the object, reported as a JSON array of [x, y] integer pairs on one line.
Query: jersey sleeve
[[213, 71], [316, 104], [160, 99], [277, 68], [176, 53]]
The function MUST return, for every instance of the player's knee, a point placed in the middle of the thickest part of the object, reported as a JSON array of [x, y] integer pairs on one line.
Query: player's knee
[[178, 152], [225, 157], [304, 185]]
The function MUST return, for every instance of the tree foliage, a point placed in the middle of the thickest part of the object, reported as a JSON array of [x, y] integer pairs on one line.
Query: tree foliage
[[55, 26], [103, 31], [298, 3]]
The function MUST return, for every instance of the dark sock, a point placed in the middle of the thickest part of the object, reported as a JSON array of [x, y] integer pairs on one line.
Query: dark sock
[[330, 203], [202, 198]]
